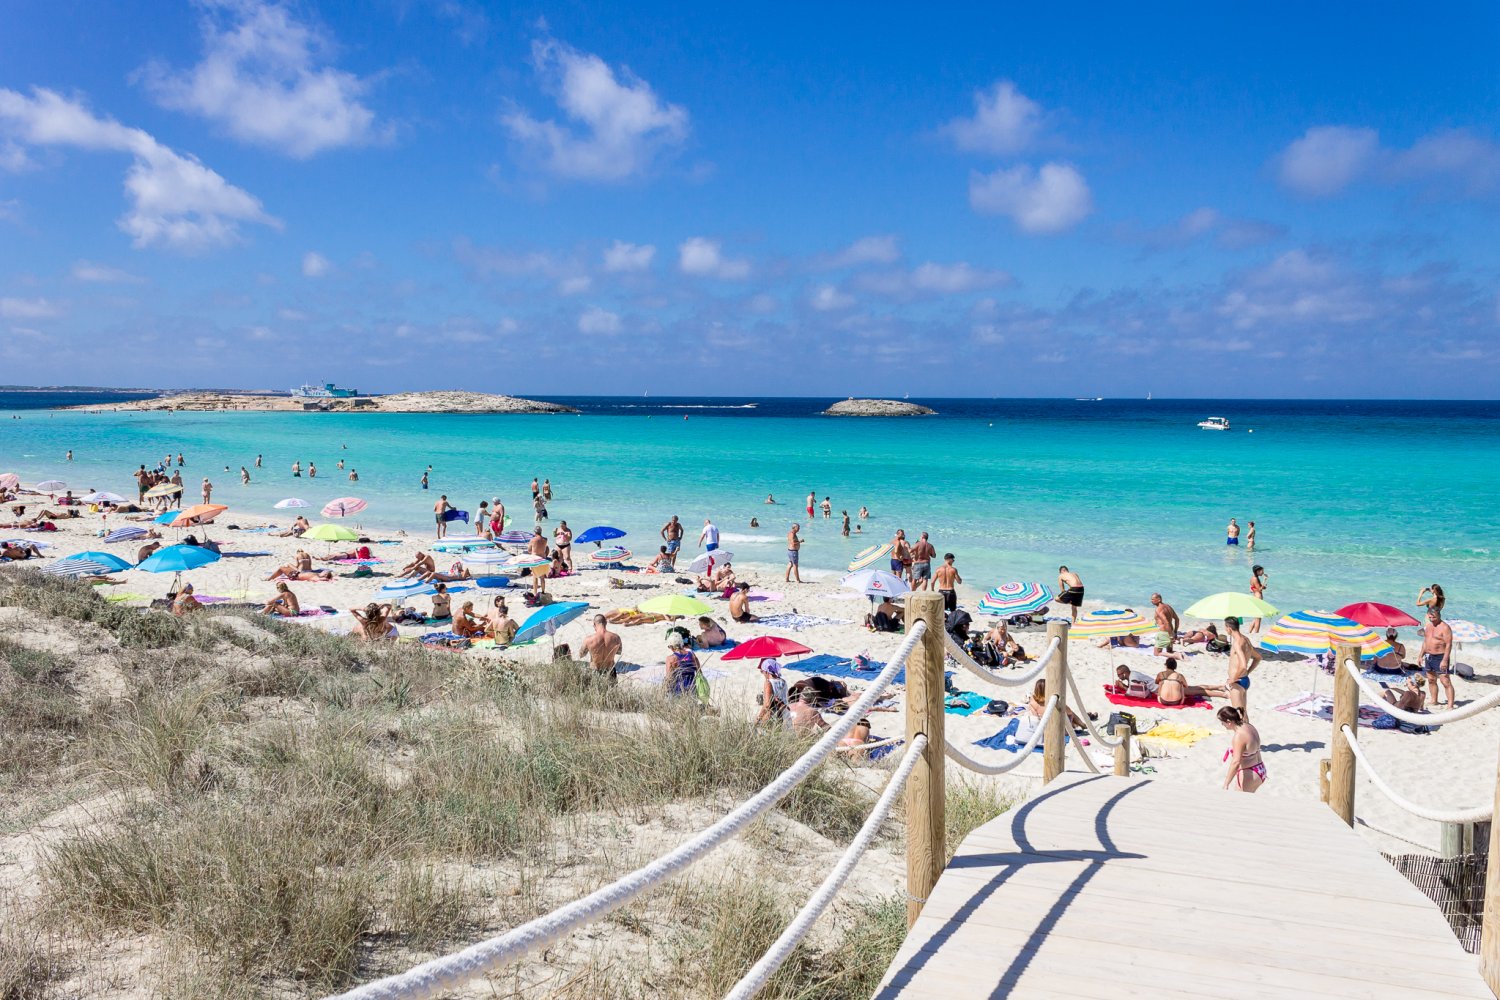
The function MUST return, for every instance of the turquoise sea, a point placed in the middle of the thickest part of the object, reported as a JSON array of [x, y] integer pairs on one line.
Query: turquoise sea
[[1353, 500]]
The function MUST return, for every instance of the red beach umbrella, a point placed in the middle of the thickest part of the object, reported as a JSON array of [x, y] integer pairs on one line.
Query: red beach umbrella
[[763, 646], [1377, 615]]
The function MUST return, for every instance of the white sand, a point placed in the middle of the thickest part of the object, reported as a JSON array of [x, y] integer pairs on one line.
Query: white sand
[[1454, 767]]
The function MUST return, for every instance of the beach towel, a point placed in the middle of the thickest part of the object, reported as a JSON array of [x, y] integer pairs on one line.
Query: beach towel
[[1318, 706], [655, 674], [1176, 734], [350, 562], [971, 703], [829, 665], [456, 515], [799, 622], [117, 597], [259, 531], [1006, 740], [242, 555], [1127, 700], [722, 647]]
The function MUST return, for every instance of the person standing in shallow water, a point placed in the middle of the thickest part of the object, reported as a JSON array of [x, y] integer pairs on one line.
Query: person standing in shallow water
[[793, 555]]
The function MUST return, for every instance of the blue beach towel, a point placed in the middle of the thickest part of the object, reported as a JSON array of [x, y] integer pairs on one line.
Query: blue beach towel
[[880, 752], [1005, 738], [242, 555], [837, 666], [972, 703]]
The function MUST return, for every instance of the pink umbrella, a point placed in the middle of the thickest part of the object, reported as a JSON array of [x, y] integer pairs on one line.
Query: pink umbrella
[[343, 507], [10, 481]]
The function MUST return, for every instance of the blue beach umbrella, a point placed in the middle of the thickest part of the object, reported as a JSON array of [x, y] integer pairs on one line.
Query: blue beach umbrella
[[178, 559], [547, 620], [108, 559], [167, 517], [599, 533]]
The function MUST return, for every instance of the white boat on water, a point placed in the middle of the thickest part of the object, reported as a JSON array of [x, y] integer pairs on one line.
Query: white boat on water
[[1215, 424]]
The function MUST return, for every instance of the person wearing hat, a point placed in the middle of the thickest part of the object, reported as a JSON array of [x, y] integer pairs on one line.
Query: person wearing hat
[[682, 667]]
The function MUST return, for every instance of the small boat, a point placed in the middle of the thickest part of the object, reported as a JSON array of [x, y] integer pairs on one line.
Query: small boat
[[1215, 424]]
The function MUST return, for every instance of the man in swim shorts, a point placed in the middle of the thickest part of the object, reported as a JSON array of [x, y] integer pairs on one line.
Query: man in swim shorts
[[922, 555], [1243, 658], [900, 555], [1069, 589], [1437, 655], [812, 500], [947, 579], [671, 533], [1232, 533], [438, 510], [793, 554]]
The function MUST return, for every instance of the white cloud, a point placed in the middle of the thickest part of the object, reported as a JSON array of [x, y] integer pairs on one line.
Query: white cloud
[[1327, 158], [1049, 200], [261, 79], [13, 158], [618, 126], [13, 308], [87, 270], [176, 201], [827, 298], [1299, 289], [596, 320], [866, 250], [621, 257], [575, 285], [934, 279], [1005, 121], [1453, 155], [704, 257], [10, 210], [315, 265]]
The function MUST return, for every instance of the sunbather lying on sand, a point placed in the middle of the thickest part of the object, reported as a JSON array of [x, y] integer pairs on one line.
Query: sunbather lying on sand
[[630, 616], [308, 575], [301, 563], [458, 571], [362, 552], [298, 528], [19, 552]]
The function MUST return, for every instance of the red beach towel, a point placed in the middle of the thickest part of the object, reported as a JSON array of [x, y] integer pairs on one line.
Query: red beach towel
[[1129, 702]]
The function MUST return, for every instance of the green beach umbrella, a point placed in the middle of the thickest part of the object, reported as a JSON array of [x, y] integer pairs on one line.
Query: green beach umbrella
[[675, 605], [331, 533], [1230, 603]]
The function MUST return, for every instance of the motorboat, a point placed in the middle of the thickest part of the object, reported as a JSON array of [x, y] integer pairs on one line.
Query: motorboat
[[1215, 424]]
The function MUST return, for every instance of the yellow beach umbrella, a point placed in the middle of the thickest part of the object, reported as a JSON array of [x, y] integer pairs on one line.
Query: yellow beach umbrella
[[1110, 623], [869, 557]]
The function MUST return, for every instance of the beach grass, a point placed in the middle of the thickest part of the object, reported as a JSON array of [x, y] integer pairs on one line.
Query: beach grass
[[299, 811]]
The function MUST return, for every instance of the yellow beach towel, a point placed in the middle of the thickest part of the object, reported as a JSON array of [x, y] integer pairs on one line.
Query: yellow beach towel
[[1176, 734]]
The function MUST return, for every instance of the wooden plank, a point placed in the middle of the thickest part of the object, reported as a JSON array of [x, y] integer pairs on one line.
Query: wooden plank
[[1113, 887]]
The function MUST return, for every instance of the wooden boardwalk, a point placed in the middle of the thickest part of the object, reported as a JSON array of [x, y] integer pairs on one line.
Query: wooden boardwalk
[[1115, 887]]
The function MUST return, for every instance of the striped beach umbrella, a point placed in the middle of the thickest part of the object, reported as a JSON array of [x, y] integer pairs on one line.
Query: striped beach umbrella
[[1316, 632], [513, 537], [461, 543], [109, 560], [613, 554], [1465, 631], [1015, 598], [528, 561], [485, 557], [869, 557], [290, 503], [126, 534], [162, 490], [1106, 624], [343, 507], [78, 567]]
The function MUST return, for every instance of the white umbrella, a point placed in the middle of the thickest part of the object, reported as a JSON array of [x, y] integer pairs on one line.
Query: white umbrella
[[715, 558], [485, 557], [102, 498], [291, 502], [51, 484], [875, 583]]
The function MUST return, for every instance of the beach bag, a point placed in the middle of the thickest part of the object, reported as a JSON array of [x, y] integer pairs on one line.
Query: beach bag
[[700, 687], [1386, 722], [1217, 646], [997, 707], [1121, 719]]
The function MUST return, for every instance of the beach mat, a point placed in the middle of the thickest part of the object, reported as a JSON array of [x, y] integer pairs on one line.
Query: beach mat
[[798, 622], [1318, 706], [1006, 740], [828, 665], [1129, 702], [243, 555], [971, 703]]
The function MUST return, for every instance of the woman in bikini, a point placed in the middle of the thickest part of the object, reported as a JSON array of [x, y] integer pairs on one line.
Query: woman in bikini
[[1247, 771], [1431, 597], [1173, 689], [1258, 591], [374, 621]]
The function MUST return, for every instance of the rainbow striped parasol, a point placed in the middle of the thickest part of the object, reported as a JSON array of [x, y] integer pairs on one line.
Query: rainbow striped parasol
[[1110, 623], [1316, 632], [1015, 598], [869, 557], [612, 554], [1466, 631], [528, 562]]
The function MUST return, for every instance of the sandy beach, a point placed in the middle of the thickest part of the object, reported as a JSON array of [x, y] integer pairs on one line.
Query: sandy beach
[[1451, 767]]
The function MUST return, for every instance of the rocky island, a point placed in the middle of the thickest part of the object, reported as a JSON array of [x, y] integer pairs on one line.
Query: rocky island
[[440, 401], [877, 408]]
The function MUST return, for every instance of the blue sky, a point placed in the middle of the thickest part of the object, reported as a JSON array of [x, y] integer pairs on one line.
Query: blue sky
[[1285, 200]]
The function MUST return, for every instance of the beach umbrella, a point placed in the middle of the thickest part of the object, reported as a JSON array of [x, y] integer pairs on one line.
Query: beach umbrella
[[547, 620], [202, 513], [708, 560], [162, 490], [78, 567], [875, 583], [1465, 631], [126, 534], [343, 507], [613, 554], [513, 537], [599, 533], [1316, 632], [485, 557], [869, 557], [331, 533], [1376, 615], [527, 562], [290, 503], [405, 588], [51, 485], [10, 481], [1015, 599], [166, 517], [102, 497], [1110, 623], [763, 646], [109, 560], [178, 558], [458, 543], [1230, 603], [675, 605]]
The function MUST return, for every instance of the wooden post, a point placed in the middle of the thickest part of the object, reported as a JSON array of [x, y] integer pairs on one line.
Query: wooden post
[[1489, 933], [926, 790], [1451, 840], [1122, 752], [1324, 766], [1054, 743], [1345, 713]]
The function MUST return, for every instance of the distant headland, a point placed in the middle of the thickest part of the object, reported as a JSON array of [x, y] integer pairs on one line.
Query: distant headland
[[439, 401], [877, 408]]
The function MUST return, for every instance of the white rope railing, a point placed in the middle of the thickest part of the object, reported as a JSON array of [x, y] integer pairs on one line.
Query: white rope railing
[[1477, 814], [1021, 756], [431, 978], [1109, 742], [889, 741], [755, 980], [1473, 708], [963, 659]]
